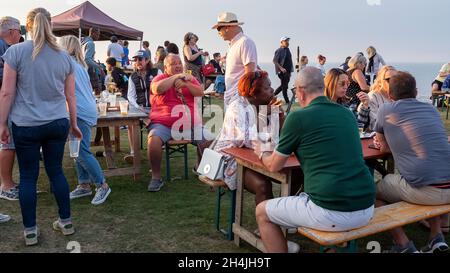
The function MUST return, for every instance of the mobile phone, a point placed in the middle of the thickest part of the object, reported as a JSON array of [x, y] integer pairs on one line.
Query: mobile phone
[[372, 146]]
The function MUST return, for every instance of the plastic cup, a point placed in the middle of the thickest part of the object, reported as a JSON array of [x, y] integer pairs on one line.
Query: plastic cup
[[361, 129], [112, 100], [123, 107], [74, 146], [102, 107]]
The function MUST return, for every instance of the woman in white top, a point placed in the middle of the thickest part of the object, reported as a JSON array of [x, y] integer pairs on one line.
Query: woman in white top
[[240, 129], [375, 60]]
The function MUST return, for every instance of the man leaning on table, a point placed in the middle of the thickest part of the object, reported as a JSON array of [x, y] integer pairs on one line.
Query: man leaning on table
[[339, 191], [413, 131]]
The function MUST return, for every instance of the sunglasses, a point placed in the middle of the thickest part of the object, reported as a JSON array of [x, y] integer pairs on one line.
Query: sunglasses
[[257, 75], [344, 83], [139, 59], [219, 28]]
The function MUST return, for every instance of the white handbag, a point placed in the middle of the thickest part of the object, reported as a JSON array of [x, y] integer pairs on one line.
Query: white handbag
[[212, 165]]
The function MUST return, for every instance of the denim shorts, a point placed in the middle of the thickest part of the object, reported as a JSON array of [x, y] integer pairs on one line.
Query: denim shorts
[[165, 133], [9, 146], [161, 131]]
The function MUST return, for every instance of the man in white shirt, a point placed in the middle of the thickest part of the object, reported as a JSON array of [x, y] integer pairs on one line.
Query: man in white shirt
[[241, 56], [115, 51]]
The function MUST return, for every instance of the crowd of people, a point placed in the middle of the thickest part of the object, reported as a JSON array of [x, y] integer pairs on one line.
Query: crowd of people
[[339, 189]]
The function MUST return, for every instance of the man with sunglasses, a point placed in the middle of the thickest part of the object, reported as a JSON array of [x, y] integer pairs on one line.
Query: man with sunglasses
[[241, 56], [9, 35]]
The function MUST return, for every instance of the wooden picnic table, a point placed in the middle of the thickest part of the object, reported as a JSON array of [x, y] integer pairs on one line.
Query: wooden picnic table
[[116, 119], [246, 158]]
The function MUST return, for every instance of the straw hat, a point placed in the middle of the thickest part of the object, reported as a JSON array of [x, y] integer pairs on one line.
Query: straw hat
[[227, 19]]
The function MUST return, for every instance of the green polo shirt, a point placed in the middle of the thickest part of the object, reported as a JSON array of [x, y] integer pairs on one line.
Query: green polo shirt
[[324, 137]]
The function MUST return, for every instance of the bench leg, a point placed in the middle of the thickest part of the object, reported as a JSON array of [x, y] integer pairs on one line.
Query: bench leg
[[185, 154], [232, 212], [167, 162], [348, 247], [218, 199], [221, 192]]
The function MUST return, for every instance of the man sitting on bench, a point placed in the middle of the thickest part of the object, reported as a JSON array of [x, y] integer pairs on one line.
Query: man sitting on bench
[[171, 93], [413, 131], [339, 189]]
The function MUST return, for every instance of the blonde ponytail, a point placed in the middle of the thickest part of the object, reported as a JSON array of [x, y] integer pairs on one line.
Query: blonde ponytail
[[72, 45], [38, 21]]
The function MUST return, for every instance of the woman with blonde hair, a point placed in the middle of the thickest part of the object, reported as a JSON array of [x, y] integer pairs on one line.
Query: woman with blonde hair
[[357, 79], [375, 60], [87, 166], [38, 93], [378, 94]]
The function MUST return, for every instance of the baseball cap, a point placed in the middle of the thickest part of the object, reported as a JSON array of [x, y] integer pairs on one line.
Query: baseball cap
[[141, 53], [284, 38]]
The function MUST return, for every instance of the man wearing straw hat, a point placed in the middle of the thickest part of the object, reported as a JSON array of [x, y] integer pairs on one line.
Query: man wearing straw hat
[[241, 56]]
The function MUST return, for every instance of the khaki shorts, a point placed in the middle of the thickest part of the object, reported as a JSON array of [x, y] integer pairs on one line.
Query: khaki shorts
[[393, 188]]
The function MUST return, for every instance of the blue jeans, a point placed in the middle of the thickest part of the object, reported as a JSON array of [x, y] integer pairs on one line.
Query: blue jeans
[[28, 141], [87, 166]]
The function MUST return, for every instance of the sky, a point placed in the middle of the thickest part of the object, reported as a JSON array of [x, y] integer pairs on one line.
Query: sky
[[400, 30]]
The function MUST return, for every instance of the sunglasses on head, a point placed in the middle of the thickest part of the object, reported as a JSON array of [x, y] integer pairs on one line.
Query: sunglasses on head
[[257, 75]]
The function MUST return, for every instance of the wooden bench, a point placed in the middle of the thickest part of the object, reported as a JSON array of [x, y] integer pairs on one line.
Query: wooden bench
[[385, 218], [176, 146], [222, 189]]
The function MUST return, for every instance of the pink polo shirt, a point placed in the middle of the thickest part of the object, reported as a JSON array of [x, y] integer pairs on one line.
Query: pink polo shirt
[[162, 105]]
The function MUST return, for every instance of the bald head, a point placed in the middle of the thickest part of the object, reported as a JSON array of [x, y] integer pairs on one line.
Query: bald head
[[172, 64], [171, 57], [311, 79]]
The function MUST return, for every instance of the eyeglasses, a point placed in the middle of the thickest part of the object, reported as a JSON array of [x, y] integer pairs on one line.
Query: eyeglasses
[[344, 83]]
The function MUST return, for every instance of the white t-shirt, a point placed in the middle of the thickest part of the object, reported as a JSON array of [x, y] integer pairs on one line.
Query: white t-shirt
[[445, 68], [115, 50], [241, 52]]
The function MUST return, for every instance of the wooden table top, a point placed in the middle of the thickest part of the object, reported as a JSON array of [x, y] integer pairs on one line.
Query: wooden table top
[[249, 155], [133, 113]]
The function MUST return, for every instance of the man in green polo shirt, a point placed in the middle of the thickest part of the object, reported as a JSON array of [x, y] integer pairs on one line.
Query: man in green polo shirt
[[339, 190]]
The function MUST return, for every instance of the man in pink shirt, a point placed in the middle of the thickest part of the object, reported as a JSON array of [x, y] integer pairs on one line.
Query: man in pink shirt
[[169, 113]]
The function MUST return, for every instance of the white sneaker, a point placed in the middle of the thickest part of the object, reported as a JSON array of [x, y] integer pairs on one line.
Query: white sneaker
[[4, 218], [293, 247]]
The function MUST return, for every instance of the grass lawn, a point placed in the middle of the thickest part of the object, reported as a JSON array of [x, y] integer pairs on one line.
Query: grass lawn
[[179, 218]]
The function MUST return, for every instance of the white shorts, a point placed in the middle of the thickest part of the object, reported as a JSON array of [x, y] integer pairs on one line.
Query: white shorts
[[300, 211]]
